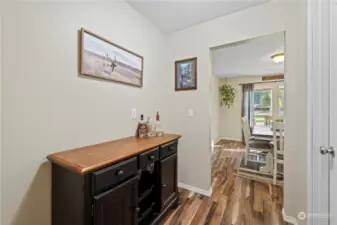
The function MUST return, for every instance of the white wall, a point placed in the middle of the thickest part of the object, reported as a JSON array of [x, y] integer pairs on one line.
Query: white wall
[[296, 109], [214, 108], [275, 16], [47, 107]]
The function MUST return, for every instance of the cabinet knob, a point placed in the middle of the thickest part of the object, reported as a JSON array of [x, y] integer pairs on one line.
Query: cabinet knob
[[119, 172], [151, 157], [164, 185], [137, 209]]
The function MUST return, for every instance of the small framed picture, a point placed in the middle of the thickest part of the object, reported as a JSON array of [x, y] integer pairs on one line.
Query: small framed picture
[[186, 74]]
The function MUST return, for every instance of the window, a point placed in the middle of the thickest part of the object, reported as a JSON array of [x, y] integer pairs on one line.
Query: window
[[281, 100], [262, 100], [267, 102]]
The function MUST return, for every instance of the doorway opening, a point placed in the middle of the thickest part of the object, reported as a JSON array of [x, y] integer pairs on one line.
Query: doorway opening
[[247, 124]]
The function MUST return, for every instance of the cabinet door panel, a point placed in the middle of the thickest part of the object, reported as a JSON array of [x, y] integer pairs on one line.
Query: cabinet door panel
[[168, 168], [118, 205]]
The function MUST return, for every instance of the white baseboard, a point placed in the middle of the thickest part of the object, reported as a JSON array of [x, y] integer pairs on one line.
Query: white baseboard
[[207, 193], [214, 145], [231, 139], [217, 139], [288, 219], [213, 142], [225, 138]]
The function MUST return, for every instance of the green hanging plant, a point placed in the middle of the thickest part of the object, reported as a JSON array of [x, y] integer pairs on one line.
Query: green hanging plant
[[227, 95]]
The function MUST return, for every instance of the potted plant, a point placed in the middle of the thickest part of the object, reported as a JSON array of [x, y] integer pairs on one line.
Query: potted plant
[[227, 95]]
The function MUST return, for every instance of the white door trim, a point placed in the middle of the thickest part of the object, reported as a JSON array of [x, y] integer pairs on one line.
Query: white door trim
[[0, 121], [317, 89]]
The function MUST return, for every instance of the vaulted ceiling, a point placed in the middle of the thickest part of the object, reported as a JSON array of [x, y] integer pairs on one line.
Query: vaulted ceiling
[[170, 16]]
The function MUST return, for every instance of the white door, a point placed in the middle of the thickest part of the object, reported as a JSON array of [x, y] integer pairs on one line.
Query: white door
[[333, 113], [323, 79], [324, 135], [0, 121]]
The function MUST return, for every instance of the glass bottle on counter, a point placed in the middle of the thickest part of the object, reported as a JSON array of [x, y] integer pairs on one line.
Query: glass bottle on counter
[[159, 127], [151, 128], [142, 127]]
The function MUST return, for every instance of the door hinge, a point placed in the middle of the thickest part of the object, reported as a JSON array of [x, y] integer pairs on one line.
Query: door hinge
[[92, 210]]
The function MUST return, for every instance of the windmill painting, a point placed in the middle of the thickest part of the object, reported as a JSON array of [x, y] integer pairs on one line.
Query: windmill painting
[[104, 59]]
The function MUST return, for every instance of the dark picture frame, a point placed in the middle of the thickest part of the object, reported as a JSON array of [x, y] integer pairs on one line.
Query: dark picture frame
[[103, 59], [186, 75]]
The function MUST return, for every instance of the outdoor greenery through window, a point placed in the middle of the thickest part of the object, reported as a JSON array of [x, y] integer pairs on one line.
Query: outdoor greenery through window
[[281, 100], [262, 100]]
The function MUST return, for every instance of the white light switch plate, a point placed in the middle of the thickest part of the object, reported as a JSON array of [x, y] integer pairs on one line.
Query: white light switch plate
[[134, 114], [191, 112]]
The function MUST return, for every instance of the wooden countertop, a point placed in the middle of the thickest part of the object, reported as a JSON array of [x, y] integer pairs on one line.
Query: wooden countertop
[[87, 159]]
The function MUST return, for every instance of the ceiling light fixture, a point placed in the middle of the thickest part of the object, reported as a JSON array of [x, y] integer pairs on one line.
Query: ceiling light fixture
[[278, 58]]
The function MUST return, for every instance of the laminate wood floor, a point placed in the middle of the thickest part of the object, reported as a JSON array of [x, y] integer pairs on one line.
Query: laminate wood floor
[[235, 200]]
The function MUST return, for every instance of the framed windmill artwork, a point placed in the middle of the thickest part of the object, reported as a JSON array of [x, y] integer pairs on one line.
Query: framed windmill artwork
[[104, 59], [186, 74]]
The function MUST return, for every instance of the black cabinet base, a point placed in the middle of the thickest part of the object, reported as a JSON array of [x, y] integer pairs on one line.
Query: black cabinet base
[[158, 218], [138, 193]]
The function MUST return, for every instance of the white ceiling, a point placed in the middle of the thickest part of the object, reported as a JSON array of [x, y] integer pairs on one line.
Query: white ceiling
[[249, 58], [170, 16]]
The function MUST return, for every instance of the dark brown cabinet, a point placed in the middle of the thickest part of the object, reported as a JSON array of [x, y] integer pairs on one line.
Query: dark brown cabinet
[[118, 205], [102, 185]]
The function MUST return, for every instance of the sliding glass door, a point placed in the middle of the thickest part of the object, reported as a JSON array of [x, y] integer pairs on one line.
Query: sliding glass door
[[262, 106], [268, 104], [281, 99]]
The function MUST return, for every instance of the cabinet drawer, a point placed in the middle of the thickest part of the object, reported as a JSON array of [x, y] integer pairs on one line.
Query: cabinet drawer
[[108, 177], [148, 157], [168, 149]]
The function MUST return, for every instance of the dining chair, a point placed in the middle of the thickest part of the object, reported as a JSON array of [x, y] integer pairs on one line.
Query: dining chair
[[278, 144], [254, 145]]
